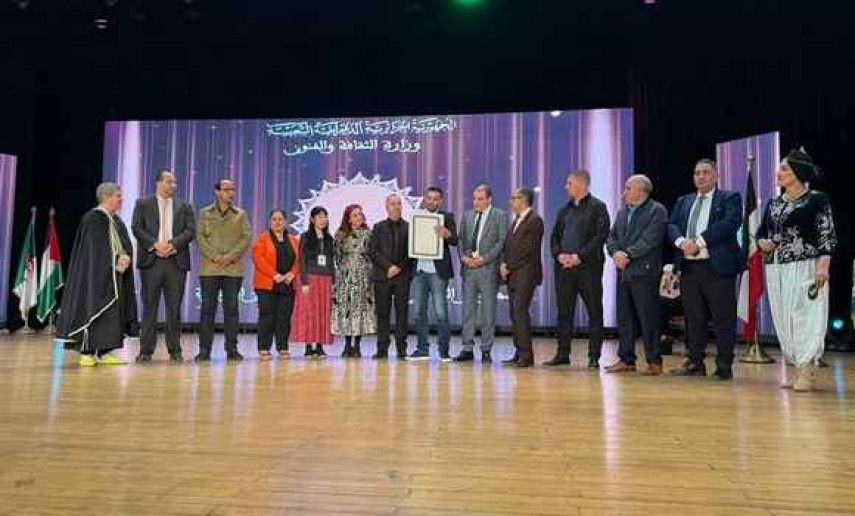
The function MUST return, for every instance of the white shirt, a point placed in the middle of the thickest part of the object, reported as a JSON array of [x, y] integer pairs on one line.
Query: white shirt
[[703, 222], [484, 216], [164, 208], [520, 218]]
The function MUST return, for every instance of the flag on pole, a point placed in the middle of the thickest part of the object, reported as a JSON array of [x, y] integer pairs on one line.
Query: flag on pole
[[751, 282], [26, 281], [50, 277]]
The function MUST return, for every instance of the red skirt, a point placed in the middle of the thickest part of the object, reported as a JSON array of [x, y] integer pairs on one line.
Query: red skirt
[[312, 312]]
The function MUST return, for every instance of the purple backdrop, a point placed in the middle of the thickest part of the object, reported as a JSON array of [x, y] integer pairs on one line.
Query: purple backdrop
[[7, 207], [732, 160], [295, 164]]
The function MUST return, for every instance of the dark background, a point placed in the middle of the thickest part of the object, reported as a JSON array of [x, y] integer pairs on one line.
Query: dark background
[[694, 72]]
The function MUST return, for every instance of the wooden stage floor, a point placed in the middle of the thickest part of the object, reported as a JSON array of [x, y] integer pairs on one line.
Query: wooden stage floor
[[358, 436]]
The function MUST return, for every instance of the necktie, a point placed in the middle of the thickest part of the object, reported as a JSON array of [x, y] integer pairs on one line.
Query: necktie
[[516, 223], [692, 230], [474, 246]]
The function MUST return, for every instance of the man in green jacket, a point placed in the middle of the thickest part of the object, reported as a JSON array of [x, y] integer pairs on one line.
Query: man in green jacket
[[223, 234]]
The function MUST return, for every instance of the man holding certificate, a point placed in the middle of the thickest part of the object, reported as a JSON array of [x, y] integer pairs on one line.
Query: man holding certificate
[[431, 230]]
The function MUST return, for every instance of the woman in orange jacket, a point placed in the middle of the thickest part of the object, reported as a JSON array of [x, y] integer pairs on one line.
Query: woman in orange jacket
[[276, 256]]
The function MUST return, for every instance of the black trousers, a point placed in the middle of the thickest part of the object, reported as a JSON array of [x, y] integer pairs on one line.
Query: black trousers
[[162, 277], [703, 291], [570, 284], [274, 319], [386, 293], [638, 309], [520, 294], [212, 286]]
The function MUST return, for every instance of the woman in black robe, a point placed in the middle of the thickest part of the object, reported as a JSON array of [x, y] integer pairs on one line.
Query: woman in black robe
[[99, 304]]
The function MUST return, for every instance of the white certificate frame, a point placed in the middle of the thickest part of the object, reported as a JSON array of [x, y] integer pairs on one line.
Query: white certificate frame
[[423, 242]]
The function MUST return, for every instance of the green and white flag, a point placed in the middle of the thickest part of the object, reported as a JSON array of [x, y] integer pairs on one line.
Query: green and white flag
[[26, 280], [50, 276]]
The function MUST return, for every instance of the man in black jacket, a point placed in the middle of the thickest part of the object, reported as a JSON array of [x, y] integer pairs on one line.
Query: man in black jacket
[[430, 283], [577, 243], [391, 275], [164, 226]]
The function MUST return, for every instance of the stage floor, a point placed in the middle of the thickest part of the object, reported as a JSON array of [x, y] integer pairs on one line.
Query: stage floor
[[359, 436]]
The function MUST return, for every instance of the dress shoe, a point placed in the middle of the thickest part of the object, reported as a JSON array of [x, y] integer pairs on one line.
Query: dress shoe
[[513, 360], [444, 357], [143, 359], [525, 362], [419, 356], [653, 370], [380, 354], [347, 352], [723, 374], [202, 357], [558, 360], [689, 368], [486, 357], [319, 351], [620, 367], [234, 356], [593, 362], [465, 356], [310, 351]]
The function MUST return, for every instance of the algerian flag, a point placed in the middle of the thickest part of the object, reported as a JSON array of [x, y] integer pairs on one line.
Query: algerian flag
[[26, 282], [50, 277]]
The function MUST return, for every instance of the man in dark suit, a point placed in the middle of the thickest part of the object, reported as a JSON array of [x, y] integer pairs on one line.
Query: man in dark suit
[[430, 283], [391, 275], [635, 244], [164, 226], [482, 239], [523, 271], [703, 226], [577, 243]]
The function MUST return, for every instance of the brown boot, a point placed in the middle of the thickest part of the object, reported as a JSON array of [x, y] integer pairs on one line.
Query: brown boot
[[804, 379]]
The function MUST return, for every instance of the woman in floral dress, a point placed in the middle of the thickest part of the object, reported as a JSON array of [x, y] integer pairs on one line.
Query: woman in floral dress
[[353, 298]]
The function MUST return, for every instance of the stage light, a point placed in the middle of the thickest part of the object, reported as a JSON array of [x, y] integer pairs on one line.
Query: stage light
[[555, 114], [837, 324], [101, 22], [468, 4]]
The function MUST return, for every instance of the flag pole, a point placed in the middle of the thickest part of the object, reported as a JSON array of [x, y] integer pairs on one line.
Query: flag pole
[[50, 328], [27, 329], [754, 353]]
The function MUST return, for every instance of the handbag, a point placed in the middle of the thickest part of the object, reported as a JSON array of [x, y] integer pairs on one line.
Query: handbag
[[669, 285]]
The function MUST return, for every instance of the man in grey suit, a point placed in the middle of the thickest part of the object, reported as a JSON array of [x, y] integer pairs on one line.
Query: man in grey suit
[[164, 226], [481, 239], [635, 244]]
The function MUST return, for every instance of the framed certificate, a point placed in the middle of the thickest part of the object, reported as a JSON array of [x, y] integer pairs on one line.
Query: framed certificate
[[424, 243]]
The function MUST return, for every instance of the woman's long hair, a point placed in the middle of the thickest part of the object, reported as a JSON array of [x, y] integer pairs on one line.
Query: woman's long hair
[[344, 229], [311, 234]]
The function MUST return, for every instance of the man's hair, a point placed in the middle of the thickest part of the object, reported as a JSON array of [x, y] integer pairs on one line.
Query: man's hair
[[641, 179], [219, 183], [106, 190], [707, 161], [487, 189], [161, 173], [527, 195], [436, 189], [582, 174]]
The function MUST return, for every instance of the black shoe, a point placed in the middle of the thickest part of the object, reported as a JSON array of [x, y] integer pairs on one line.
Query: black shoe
[[143, 359], [486, 357], [558, 360], [689, 368], [417, 355], [176, 358], [348, 351], [310, 351], [381, 353], [357, 351], [465, 356], [513, 360], [234, 356], [202, 357], [593, 362], [723, 374], [525, 362], [319, 351], [444, 357]]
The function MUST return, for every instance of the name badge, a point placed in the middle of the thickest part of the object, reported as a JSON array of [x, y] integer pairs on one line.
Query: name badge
[[322, 260]]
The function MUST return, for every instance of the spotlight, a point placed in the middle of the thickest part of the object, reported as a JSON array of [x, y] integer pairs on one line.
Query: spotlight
[[101, 22], [555, 114], [837, 324]]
